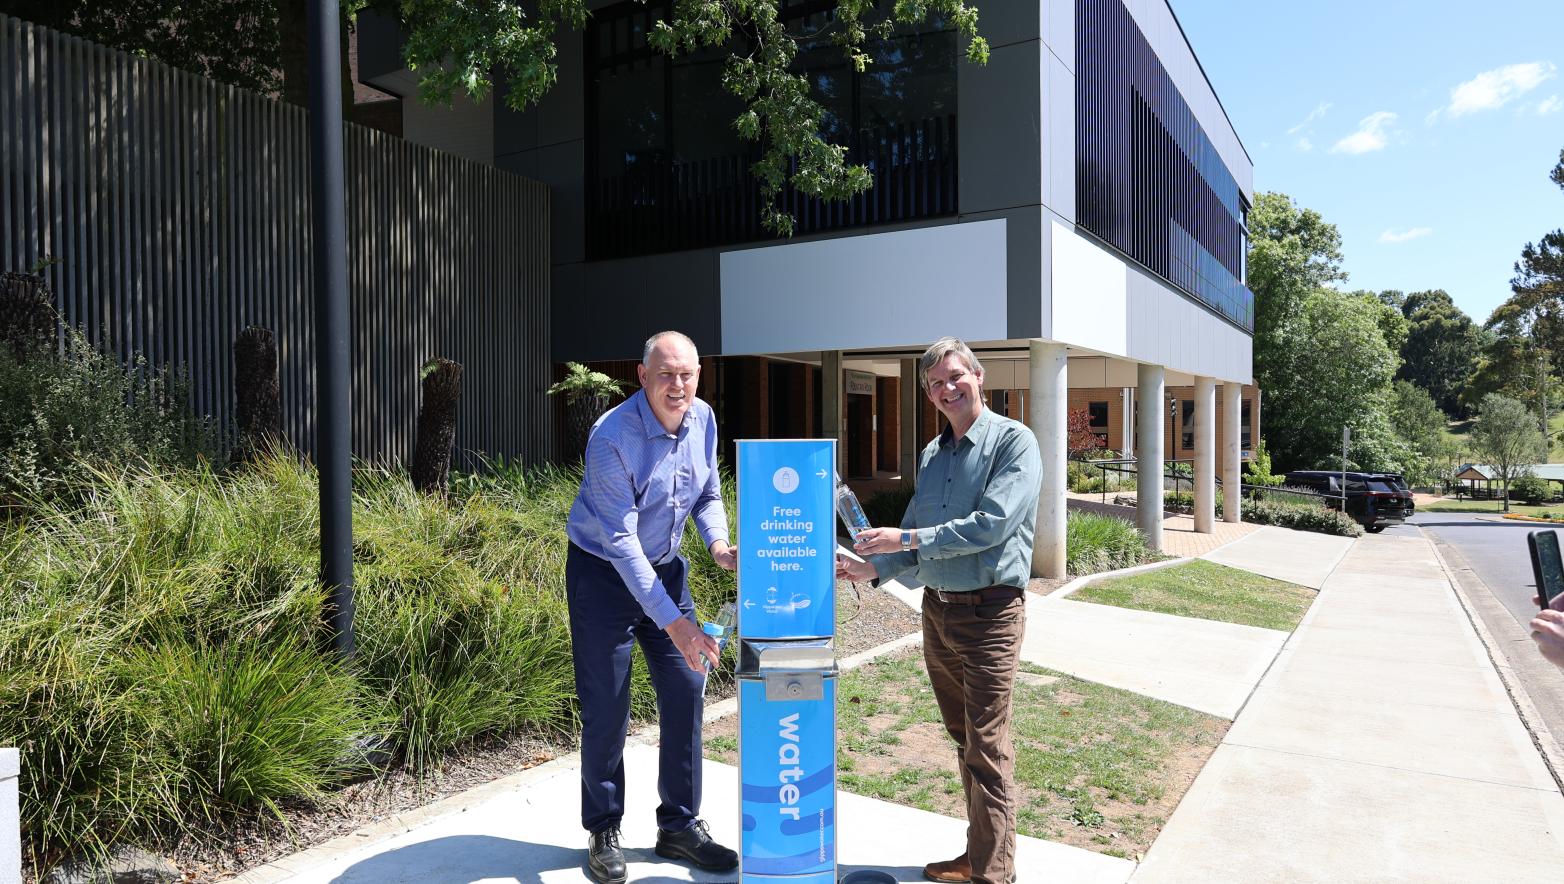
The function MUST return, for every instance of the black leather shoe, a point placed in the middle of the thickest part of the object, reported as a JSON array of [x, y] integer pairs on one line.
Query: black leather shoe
[[605, 861], [694, 845]]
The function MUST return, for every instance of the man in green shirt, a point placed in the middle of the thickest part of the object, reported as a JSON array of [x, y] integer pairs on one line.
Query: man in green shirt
[[967, 536]]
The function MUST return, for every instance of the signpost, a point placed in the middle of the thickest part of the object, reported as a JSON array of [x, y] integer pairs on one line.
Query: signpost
[[787, 661]]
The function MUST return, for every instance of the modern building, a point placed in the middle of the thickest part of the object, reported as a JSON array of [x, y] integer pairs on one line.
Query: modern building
[[1075, 210]]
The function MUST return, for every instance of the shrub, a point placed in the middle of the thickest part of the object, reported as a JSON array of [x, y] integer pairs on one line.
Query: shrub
[[1096, 543], [1300, 516], [1531, 489], [64, 413], [886, 508]]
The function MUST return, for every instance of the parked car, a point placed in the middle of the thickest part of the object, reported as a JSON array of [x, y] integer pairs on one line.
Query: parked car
[[1374, 500]]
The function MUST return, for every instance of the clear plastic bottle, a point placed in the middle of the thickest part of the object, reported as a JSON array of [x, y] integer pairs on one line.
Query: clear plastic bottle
[[850, 510], [721, 629]]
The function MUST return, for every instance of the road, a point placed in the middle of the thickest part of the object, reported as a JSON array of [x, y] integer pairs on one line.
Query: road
[[1496, 551]]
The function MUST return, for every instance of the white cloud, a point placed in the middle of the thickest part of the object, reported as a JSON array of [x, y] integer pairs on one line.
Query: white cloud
[[1393, 237], [1315, 114], [1549, 105], [1303, 144], [1496, 88], [1373, 134]]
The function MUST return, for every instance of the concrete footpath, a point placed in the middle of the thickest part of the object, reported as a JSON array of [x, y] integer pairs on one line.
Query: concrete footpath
[[527, 829], [1380, 746]]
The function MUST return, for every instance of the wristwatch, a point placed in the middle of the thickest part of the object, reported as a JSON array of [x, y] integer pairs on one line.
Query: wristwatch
[[906, 540]]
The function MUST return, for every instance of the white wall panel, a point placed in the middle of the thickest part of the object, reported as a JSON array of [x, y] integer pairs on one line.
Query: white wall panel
[[879, 290], [1089, 293]]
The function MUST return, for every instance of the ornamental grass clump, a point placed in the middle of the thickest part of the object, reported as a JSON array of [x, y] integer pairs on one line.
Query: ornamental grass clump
[[165, 663], [1095, 543]]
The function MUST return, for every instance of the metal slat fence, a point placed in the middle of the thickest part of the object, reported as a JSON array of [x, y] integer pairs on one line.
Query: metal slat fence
[[177, 211]]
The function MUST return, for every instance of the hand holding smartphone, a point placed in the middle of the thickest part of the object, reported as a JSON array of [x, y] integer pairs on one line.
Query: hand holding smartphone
[[1547, 565]]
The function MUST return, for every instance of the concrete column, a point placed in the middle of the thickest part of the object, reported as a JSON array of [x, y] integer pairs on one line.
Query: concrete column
[[1127, 433], [831, 405], [10, 822], [1148, 453], [1048, 417], [910, 391], [1205, 455], [1232, 454]]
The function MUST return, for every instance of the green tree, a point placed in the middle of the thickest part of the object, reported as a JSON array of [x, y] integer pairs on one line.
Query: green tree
[[465, 47], [1417, 420], [1332, 368], [233, 41], [1440, 352], [1292, 252], [1505, 435]]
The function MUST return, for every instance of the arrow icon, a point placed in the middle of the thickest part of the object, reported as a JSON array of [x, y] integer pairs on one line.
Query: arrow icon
[[749, 603], [821, 474]]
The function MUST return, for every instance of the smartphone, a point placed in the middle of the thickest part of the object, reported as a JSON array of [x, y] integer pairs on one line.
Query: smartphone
[[1546, 564]]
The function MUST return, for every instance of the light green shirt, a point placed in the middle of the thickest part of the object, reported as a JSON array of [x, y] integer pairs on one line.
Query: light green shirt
[[974, 510]]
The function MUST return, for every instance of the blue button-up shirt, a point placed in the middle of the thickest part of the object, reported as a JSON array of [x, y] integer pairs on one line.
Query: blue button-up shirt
[[641, 484]]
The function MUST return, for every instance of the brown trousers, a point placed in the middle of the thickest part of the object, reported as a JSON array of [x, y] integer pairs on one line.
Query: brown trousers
[[972, 652]]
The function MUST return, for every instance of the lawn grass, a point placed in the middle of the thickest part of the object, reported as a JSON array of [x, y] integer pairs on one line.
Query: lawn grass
[[1487, 506], [1208, 591], [1096, 767]]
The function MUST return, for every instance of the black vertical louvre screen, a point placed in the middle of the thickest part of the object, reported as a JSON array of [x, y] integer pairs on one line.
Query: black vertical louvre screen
[[1149, 182]]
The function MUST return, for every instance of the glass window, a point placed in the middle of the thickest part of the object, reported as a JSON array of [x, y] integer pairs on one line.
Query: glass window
[[1187, 424], [1244, 438], [1098, 422]]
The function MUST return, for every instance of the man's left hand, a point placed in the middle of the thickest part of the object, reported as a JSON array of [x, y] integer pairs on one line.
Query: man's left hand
[[878, 541], [726, 557]]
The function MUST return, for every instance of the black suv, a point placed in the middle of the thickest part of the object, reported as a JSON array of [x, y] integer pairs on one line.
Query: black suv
[[1374, 500]]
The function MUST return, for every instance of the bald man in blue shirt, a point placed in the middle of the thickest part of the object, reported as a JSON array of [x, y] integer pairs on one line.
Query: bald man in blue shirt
[[651, 464]]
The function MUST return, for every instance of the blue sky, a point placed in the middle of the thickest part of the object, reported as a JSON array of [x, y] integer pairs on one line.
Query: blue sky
[[1423, 130]]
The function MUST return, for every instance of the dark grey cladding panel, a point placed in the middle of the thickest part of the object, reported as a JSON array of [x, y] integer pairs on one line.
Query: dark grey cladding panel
[[607, 309], [1001, 130], [1012, 21], [379, 45]]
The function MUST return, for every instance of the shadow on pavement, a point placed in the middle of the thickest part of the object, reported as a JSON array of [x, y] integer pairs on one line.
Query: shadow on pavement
[[463, 859]]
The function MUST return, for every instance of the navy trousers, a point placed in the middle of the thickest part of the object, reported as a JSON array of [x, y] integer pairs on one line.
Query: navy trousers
[[604, 620]]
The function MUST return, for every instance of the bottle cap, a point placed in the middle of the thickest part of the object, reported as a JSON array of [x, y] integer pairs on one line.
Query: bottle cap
[[712, 629]]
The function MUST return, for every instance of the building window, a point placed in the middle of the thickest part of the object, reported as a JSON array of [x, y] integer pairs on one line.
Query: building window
[[1187, 425], [1098, 424], [667, 172], [1244, 437]]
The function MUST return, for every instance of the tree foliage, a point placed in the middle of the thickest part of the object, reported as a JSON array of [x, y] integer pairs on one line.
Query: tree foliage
[[232, 41], [1418, 421], [465, 47], [1506, 437], [1440, 352]]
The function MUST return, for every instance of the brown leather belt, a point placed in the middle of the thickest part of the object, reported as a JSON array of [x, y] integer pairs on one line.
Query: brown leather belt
[[984, 596]]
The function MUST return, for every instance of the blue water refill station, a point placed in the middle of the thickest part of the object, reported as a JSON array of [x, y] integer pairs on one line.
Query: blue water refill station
[[787, 661]]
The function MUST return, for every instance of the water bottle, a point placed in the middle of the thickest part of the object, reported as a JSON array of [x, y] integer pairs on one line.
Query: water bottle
[[851, 511], [721, 629]]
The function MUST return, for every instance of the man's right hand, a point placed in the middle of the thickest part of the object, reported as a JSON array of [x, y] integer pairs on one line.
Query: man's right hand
[[854, 569], [693, 643]]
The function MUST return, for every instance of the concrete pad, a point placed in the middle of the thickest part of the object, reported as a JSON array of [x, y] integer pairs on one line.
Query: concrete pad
[[1257, 815], [1490, 746], [1301, 557], [1202, 664], [533, 835]]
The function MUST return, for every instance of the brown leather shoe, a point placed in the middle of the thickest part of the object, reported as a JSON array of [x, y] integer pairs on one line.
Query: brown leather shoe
[[951, 871]]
